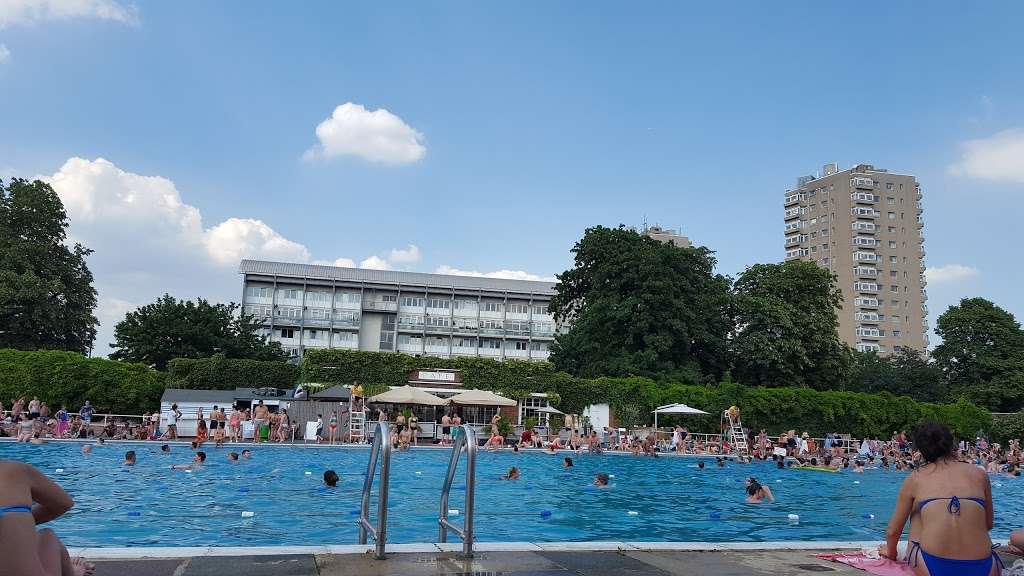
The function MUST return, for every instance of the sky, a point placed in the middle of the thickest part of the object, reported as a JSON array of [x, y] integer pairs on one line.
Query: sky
[[484, 137]]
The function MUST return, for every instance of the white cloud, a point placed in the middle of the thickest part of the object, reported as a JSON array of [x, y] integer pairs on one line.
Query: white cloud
[[148, 241], [343, 262], [110, 311], [506, 274], [32, 11], [407, 255], [5, 54], [375, 263], [999, 157], [377, 136], [236, 238], [949, 274]]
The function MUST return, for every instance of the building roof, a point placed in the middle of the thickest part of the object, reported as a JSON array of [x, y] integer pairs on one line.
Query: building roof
[[334, 392], [172, 395], [394, 277]]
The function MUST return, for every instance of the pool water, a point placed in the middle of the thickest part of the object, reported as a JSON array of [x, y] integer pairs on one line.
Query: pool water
[[663, 499]]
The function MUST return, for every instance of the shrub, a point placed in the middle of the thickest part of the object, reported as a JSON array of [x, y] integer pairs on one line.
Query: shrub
[[633, 399], [220, 373], [69, 378]]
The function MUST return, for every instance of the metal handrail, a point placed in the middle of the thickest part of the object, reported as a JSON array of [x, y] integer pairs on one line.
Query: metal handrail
[[381, 448], [466, 441]]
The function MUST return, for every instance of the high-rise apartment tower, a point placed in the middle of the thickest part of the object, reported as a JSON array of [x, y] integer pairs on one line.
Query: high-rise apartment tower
[[865, 225]]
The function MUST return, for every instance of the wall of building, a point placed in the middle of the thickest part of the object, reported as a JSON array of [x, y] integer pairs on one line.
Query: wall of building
[[866, 226]]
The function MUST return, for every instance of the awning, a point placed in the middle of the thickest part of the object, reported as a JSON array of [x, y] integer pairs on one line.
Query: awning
[[408, 395], [481, 398], [674, 409]]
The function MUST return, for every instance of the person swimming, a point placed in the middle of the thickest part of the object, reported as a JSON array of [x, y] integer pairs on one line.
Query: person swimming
[[233, 456], [567, 462], [700, 465], [246, 453], [513, 474], [165, 448], [129, 458], [331, 479], [86, 449], [601, 480], [756, 493], [196, 464]]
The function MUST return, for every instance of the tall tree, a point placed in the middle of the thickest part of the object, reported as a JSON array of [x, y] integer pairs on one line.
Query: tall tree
[[905, 373], [46, 293], [171, 328], [786, 327], [639, 306], [982, 354]]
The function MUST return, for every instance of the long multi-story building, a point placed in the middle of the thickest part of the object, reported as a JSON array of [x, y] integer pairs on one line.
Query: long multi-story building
[[865, 225], [305, 306]]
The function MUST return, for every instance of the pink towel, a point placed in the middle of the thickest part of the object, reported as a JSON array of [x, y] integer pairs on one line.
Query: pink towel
[[880, 567]]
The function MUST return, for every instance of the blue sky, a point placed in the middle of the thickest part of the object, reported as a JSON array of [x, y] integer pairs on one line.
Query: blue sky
[[486, 137]]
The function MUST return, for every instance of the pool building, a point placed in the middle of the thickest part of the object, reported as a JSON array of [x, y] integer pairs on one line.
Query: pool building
[[306, 306]]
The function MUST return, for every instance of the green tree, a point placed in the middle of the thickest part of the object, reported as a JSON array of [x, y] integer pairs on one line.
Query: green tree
[[46, 293], [787, 325], [171, 328], [640, 306], [905, 373], [982, 354]]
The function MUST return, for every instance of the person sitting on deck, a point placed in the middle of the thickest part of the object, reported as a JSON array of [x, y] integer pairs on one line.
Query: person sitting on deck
[[949, 504], [28, 498]]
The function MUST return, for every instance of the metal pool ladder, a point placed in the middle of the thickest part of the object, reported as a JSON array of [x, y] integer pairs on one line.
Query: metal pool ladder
[[465, 441], [381, 448]]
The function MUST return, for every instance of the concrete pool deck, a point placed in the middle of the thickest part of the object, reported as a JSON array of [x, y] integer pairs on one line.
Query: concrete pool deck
[[490, 559], [539, 562]]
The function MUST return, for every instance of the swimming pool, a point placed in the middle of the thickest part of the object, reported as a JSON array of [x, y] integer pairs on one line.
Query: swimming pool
[[663, 499]]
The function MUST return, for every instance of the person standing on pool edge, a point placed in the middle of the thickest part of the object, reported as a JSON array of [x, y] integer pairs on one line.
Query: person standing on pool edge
[[259, 418]]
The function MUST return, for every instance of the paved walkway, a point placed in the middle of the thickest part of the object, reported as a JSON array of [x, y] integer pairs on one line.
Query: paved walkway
[[544, 563]]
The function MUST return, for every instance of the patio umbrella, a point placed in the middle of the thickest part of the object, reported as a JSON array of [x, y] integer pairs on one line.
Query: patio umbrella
[[481, 398], [674, 409], [549, 410], [408, 395]]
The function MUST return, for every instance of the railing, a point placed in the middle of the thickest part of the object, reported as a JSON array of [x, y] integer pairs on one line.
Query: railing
[[466, 441], [381, 448]]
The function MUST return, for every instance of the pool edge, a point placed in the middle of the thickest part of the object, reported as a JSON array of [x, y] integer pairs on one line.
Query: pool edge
[[173, 552]]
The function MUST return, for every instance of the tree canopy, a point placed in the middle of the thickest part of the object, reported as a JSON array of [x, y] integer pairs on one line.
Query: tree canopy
[[904, 373], [786, 327], [982, 354], [642, 307], [46, 293], [171, 328]]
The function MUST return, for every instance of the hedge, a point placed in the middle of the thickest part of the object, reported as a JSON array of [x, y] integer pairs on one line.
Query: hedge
[[220, 373], [633, 399], [69, 378]]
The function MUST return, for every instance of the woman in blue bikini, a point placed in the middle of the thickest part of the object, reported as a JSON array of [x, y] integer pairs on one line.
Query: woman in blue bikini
[[949, 504], [28, 498]]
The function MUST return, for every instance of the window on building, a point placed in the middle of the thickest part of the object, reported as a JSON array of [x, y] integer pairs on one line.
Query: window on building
[[890, 200], [894, 288], [313, 334], [412, 302], [518, 308], [286, 333], [897, 334], [893, 274], [389, 298], [892, 229], [490, 344], [491, 306], [892, 244], [442, 303], [257, 292], [540, 310]]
